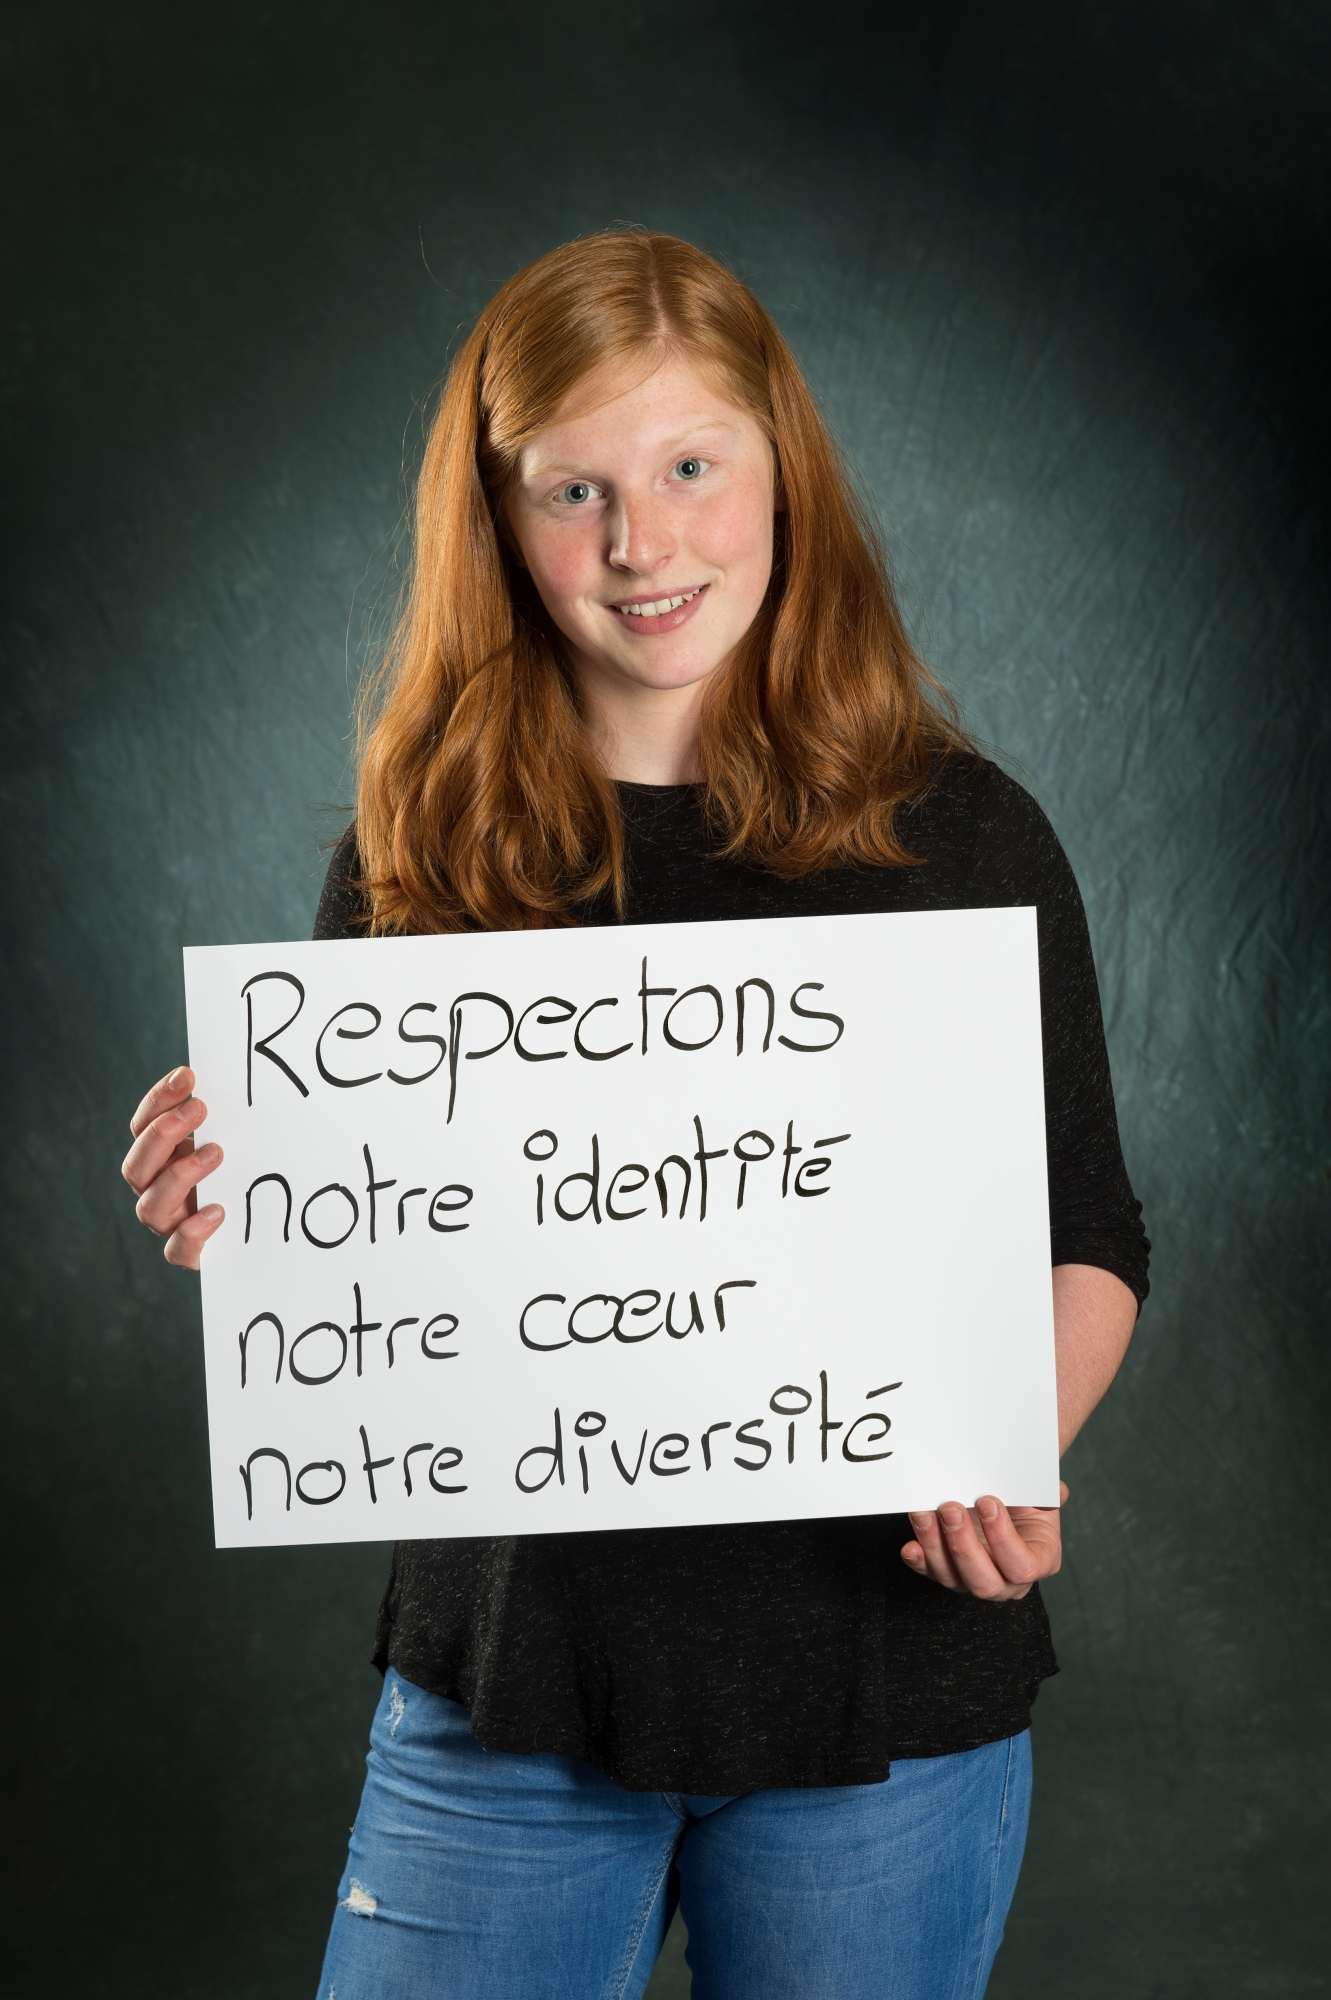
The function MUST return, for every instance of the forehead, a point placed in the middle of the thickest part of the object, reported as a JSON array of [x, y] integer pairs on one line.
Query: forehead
[[636, 403]]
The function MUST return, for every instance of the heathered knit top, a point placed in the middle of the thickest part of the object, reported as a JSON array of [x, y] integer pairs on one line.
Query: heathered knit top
[[721, 1659]]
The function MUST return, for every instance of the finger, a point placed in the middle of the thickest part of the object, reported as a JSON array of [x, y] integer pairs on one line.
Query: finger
[[971, 1561], [935, 1566], [169, 1135], [934, 1560], [167, 1200], [172, 1090], [184, 1245], [1021, 1550]]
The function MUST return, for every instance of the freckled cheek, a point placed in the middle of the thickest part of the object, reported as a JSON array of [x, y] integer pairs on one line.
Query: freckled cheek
[[737, 537], [563, 570]]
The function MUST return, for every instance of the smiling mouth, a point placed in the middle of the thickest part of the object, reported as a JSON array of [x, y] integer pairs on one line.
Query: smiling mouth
[[657, 607]]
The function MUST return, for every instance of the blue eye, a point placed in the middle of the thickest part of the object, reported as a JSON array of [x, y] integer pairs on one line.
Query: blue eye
[[690, 468], [577, 493]]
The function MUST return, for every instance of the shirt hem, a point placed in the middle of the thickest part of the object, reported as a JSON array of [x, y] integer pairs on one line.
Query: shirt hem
[[521, 1738]]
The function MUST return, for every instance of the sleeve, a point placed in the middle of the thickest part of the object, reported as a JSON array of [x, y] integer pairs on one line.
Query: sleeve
[[1094, 1217], [342, 910]]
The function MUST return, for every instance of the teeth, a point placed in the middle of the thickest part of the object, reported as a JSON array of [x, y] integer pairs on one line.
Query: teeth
[[658, 608]]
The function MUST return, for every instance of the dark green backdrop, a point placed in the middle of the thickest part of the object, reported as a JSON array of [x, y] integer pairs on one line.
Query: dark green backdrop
[[1057, 271]]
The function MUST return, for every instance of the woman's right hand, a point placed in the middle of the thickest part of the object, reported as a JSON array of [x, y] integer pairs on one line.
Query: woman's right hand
[[164, 1169]]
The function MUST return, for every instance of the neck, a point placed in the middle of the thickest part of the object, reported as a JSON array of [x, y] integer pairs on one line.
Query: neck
[[644, 735]]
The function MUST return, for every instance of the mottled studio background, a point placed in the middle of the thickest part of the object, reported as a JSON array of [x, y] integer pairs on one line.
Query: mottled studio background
[[1058, 272]]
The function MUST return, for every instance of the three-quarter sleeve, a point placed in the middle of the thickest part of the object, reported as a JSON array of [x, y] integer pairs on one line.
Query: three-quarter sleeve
[[1094, 1217]]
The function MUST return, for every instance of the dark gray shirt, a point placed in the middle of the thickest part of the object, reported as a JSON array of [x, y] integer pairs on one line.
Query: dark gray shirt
[[722, 1659]]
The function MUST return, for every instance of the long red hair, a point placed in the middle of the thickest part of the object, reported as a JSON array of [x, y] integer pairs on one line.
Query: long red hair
[[481, 804]]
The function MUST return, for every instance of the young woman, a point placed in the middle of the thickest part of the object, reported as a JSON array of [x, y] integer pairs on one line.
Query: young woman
[[650, 668]]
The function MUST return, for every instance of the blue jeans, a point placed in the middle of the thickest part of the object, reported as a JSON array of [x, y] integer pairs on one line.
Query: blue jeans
[[478, 1874]]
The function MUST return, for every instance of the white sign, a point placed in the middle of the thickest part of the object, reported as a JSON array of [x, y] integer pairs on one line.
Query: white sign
[[663, 1224]]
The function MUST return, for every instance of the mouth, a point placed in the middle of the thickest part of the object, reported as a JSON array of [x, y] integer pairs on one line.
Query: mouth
[[648, 617]]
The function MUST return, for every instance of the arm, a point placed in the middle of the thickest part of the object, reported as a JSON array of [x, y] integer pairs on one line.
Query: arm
[[1099, 1250], [996, 1552], [1094, 1317]]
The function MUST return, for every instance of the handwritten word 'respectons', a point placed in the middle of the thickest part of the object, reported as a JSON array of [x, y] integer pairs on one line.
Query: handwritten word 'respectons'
[[481, 1024]]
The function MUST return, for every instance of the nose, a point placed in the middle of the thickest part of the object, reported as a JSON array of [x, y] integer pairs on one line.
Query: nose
[[642, 536]]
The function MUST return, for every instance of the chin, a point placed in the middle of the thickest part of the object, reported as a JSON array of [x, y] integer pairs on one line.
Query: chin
[[659, 665], [667, 677]]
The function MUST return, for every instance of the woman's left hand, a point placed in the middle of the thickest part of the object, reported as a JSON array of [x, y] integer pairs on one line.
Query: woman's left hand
[[988, 1550]]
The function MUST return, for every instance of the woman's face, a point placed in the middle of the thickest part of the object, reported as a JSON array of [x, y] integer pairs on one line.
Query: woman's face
[[644, 514]]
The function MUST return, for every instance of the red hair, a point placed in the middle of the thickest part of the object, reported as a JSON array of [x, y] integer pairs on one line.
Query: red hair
[[481, 804]]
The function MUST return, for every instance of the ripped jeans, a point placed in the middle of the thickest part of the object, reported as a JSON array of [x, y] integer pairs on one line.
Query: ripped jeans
[[478, 1874]]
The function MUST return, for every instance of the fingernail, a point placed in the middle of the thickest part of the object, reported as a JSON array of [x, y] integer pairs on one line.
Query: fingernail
[[209, 1153], [176, 1079], [988, 1510], [213, 1213], [951, 1517], [921, 1523]]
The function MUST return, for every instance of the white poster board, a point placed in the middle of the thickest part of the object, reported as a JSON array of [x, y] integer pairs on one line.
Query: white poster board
[[664, 1224]]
